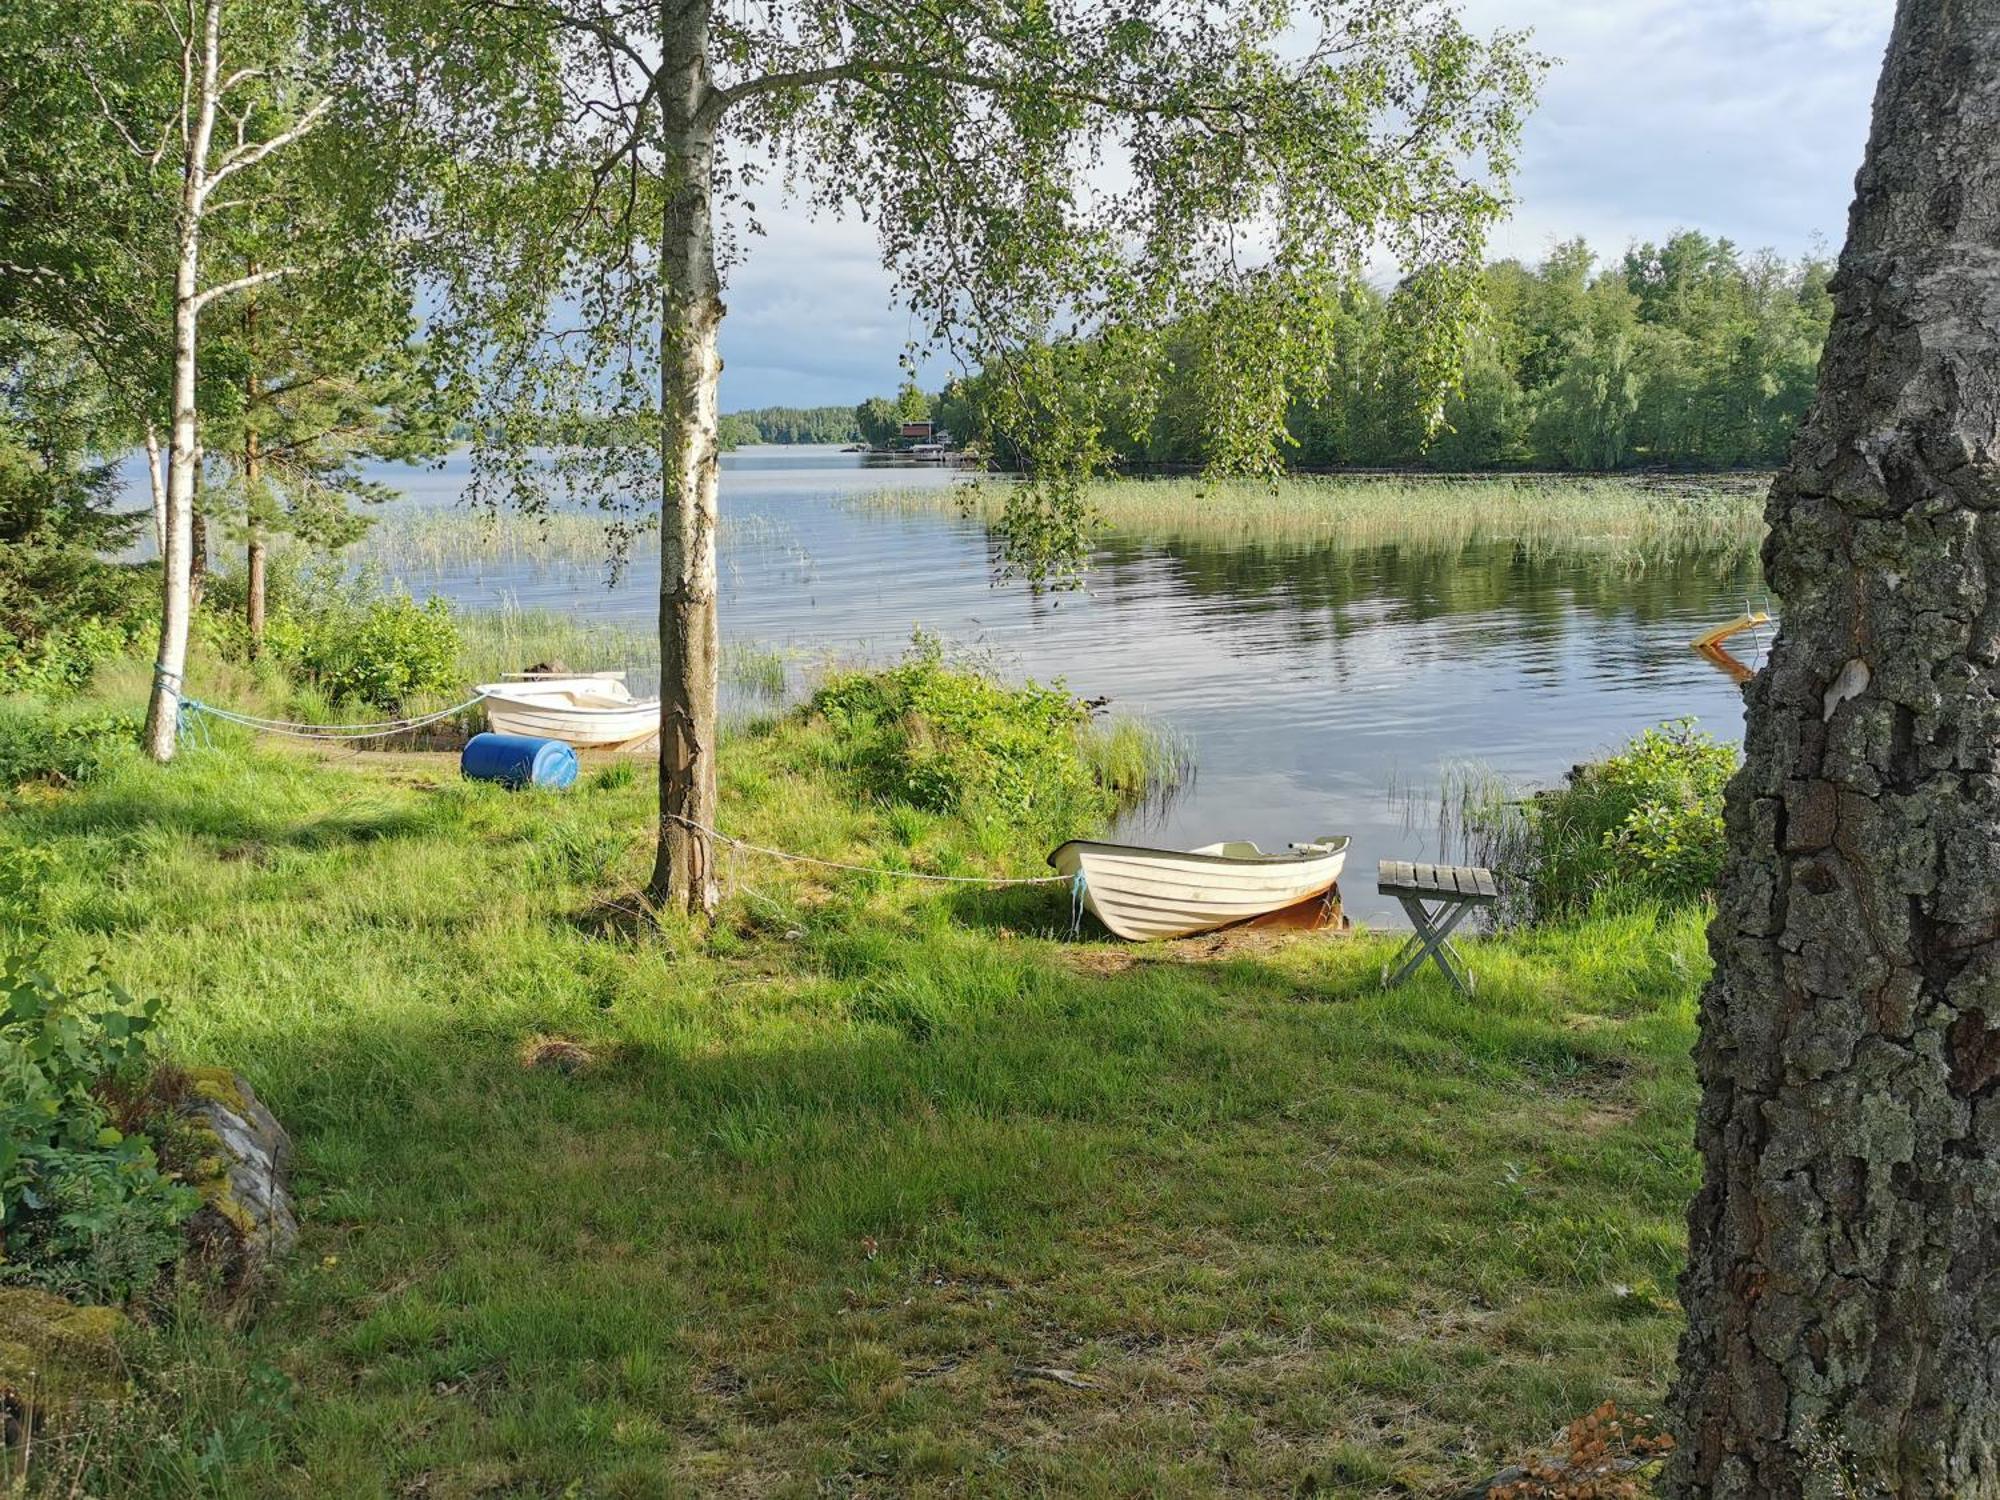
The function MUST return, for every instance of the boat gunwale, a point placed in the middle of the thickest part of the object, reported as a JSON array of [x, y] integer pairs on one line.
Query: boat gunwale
[[545, 705], [1336, 849]]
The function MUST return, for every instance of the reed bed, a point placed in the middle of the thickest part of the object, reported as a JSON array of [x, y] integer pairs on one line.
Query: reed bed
[[512, 638], [1702, 512], [419, 543]]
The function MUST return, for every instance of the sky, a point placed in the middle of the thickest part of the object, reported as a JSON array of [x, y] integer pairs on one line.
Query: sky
[[1741, 118]]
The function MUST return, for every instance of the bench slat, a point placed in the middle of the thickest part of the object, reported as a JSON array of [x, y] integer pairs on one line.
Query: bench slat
[[1471, 884]]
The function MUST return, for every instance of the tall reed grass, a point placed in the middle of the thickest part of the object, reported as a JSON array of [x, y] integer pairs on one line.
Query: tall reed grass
[[1614, 513], [413, 543]]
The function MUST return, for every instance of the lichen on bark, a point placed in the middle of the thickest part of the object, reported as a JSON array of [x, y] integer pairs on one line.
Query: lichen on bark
[[1843, 1288]]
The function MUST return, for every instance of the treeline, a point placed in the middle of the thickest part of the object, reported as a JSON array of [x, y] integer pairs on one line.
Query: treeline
[[1687, 353], [789, 424]]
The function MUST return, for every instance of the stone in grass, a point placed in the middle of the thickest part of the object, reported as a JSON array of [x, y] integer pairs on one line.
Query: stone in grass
[[54, 1356], [246, 1218]]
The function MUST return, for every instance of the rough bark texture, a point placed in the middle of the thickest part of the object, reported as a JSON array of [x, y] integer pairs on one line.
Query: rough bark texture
[[1843, 1290], [198, 547], [683, 870]]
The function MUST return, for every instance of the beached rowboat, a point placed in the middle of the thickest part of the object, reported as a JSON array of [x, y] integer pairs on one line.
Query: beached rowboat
[[1142, 893], [576, 710]]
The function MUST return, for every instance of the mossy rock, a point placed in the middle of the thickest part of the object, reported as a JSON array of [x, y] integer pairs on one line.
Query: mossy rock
[[54, 1354], [220, 1086], [246, 1216]]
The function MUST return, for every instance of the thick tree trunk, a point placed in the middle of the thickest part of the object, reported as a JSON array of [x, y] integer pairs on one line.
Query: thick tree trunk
[[1843, 1290], [683, 868]]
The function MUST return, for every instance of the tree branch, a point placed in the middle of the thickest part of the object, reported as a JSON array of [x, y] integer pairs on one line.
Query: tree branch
[[605, 34], [240, 157], [241, 284], [989, 83]]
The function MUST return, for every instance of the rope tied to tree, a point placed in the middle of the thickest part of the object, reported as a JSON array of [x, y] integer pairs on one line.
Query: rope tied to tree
[[992, 881]]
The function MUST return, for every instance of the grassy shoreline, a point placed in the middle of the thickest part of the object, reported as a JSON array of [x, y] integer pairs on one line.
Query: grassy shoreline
[[872, 1187]]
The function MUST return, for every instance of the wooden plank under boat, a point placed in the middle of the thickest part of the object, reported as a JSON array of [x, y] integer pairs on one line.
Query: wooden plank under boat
[[577, 710], [1142, 894]]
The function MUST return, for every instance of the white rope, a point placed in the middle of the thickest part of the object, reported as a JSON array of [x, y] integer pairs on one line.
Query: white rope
[[834, 864], [255, 721], [299, 730]]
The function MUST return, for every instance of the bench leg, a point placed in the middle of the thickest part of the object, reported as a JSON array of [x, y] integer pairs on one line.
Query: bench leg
[[1432, 939]]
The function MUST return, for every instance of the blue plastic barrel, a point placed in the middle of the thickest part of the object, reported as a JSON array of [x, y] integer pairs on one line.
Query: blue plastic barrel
[[518, 760]]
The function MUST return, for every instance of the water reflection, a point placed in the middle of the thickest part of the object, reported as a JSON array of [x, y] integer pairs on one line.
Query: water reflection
[[1311, 679]]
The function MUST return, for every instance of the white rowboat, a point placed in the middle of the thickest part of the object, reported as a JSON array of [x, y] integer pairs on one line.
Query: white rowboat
[[576, 710], [1143, 894]]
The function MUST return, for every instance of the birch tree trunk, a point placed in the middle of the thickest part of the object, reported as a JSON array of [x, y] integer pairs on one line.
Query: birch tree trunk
[[253, 473], [690, 368], [1843, 1290], [198, 548], [156, 477], [176, 605]]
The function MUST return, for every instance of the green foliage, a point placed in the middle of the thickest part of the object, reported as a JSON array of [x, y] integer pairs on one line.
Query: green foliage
[[84, 1208], [1688, 353], [63, 609], [876, 420], [790, 424], [735, 430], [347, 636], [1640, 828], [64, 613], [395, 649], [954, 740], [1385, 127], [57, 743]]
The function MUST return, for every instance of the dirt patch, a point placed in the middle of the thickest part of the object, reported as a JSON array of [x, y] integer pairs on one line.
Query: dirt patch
[[1104, 960], [556, 1054], [1597, 1118]]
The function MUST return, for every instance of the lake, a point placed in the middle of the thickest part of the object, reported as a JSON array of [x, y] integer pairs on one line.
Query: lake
[[1322, 688]]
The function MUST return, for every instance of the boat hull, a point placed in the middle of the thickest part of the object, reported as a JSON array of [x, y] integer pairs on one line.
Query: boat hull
[[551, 711], [1145, 894]]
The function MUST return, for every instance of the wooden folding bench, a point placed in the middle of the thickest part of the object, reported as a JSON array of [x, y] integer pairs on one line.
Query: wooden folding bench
[[1437, 898]]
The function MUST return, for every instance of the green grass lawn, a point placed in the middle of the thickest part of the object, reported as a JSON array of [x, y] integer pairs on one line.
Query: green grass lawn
[[873, 1190]]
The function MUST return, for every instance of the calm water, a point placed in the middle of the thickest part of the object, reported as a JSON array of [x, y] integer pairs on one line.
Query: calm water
[[1322, 688]]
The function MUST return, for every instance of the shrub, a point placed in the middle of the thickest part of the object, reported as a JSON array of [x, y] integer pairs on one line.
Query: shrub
[[84, 1209], [63, 613], [344, 634], [41, 743], [393, 651], [1641, 827], [63, 609], [955, 740]]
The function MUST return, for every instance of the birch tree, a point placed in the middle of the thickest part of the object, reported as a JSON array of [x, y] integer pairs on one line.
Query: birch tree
[[179, 104], [1843, 1330], [1040, 171], [229, 119]]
